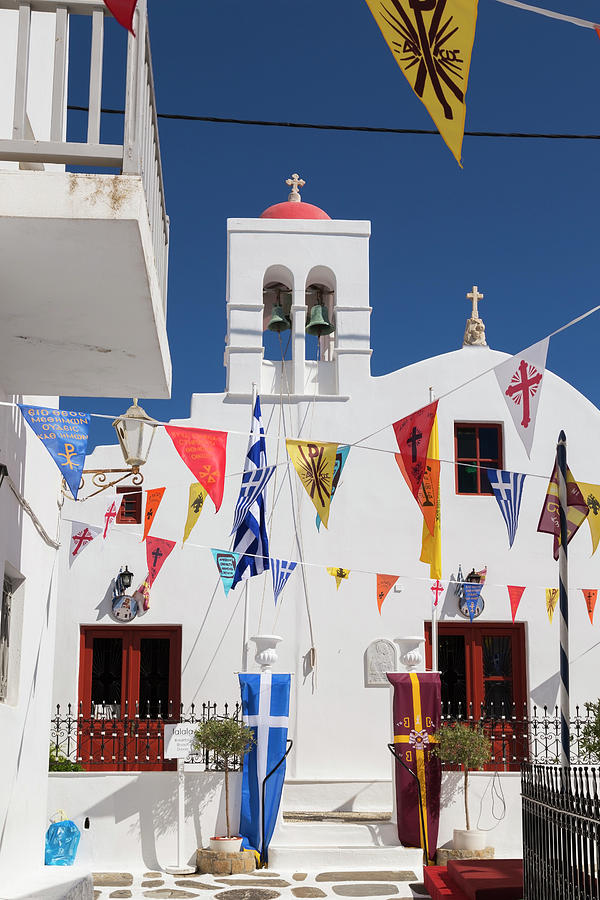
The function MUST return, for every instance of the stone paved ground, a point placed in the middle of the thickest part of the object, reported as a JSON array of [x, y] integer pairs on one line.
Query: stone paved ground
[[261, 885]]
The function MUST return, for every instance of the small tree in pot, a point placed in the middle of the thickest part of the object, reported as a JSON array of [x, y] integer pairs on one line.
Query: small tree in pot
[[226, 738], [590, 738], [459, 744]]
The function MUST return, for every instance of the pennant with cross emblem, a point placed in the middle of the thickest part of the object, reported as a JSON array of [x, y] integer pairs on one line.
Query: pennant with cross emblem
[[65, 437]]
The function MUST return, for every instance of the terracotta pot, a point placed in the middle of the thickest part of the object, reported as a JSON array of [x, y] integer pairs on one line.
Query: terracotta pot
[[469, 840], [225, 844]]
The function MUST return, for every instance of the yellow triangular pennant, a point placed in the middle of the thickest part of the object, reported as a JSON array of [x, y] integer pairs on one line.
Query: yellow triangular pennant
[[315, 462], [338, 574], [196, 500], [432, 44], [591, 495], [551, 601], [431, 544]]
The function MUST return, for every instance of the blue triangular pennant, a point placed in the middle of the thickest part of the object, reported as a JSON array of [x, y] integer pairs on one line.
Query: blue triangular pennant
[[472, 592], [65, 437], [281, 569], [226, 562], [508, 491]]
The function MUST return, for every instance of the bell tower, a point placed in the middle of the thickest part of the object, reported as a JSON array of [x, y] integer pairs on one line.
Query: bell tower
[[307, 277]]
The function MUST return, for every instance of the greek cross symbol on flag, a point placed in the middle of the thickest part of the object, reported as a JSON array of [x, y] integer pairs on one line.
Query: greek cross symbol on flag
[[508, 491], [253, 484], [251, 540], [265, 709]]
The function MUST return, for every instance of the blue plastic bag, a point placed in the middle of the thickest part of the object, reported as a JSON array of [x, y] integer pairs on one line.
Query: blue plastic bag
[[62, 840]]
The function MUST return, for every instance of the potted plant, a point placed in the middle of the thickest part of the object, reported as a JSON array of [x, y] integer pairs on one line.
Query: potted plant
[[226, 738], [464, 745]]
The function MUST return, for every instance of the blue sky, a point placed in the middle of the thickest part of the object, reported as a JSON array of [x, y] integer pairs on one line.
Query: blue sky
[[520, 219]]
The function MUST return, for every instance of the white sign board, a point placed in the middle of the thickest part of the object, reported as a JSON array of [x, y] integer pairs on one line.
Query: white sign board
[[178, 740]]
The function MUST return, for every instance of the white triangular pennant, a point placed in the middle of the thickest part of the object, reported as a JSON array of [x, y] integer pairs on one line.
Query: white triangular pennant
[[110, 516], [81, 536], [520, 379]]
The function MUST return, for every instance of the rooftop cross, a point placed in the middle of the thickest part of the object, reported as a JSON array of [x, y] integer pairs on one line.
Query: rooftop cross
[[474, 296], [295, 182]]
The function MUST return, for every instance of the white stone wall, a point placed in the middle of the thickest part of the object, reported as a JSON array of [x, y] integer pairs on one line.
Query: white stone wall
[[30, 562]]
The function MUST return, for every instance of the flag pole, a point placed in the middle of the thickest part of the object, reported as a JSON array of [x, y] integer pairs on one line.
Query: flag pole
[[434, 611], [246, 632], [563, 584]]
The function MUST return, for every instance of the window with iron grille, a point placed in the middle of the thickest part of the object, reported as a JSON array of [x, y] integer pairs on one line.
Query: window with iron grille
[[477, 448], [7, 591]]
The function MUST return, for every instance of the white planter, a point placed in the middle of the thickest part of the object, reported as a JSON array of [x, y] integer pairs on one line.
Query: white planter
[[469, 840], [266, 654], [225, 844]]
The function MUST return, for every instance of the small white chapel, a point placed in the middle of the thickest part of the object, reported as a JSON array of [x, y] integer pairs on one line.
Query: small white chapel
[[288, 267]]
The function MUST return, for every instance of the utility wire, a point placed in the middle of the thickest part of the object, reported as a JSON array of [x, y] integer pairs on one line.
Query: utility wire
[[370, 129]]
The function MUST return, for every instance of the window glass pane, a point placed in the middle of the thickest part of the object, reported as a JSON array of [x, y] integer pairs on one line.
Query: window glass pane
[[485, 482], [497, 656], [451, 659], [467, 479], [498, 698], [154, 677], [466, 443], [107, 669], [488, 442]]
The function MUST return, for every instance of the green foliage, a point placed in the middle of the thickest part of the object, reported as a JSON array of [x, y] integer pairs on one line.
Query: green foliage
[[224, 737], [463, 745], [590, 737], [58, 762]]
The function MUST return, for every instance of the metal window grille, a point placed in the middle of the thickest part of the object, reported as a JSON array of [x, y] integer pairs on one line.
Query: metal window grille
[[7, 590]]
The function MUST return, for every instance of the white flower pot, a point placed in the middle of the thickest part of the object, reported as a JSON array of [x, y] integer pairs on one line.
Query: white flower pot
[[469, 840], [225, 844]]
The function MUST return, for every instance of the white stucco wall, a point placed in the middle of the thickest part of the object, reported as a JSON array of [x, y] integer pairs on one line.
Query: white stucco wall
[[30, 562], [133, 815]]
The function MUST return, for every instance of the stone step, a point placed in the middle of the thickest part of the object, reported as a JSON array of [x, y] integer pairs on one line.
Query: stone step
[[341, 816], [330, 833], [306, 858]]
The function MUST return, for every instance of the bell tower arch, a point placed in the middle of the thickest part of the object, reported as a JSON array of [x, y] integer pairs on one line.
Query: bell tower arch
[[294, 265]]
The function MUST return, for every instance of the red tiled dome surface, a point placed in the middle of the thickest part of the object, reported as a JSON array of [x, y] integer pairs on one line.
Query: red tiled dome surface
[[292, 209]]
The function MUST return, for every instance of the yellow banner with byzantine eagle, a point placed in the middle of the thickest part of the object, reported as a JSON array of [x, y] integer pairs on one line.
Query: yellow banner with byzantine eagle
[[431, 41]]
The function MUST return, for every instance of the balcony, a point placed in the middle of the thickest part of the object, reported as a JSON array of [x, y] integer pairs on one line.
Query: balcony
[[83, 254]]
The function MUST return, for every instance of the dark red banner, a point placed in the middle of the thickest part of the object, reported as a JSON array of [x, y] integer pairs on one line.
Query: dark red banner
[[417, 710], [123, 11]]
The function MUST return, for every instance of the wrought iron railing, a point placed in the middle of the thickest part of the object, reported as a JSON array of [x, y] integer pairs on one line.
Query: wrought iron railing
[[521, 735], [139, 152], [561, 832], [106, 737]]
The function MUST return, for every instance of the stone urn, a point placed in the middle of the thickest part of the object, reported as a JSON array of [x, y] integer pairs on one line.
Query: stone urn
[[471, 839], [266, 652], [411, 652]]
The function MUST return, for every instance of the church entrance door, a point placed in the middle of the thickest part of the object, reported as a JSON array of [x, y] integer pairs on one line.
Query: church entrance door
[[129, 684]]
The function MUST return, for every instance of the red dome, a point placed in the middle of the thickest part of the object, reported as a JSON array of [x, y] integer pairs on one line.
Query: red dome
[[294, 209]]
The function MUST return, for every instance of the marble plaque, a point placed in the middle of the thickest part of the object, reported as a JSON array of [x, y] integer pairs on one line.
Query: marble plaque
[[380, 657]]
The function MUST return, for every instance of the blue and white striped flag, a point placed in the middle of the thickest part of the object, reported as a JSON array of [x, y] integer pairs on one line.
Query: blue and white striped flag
[[253, 484], [508, 490], [251, 540], [281, 569], [265, 709]]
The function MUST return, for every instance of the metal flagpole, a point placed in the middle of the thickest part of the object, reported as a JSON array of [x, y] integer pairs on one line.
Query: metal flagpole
[[563, 584], [246, 635]]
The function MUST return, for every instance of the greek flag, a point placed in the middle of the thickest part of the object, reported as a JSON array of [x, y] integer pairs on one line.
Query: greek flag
[[265, 709], [251, 540], [508, 490], [281, 570]]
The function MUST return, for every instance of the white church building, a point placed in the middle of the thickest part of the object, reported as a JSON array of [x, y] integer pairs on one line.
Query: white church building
[[124, 678]]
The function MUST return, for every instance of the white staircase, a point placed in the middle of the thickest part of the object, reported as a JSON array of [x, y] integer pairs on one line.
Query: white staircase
[[309, 840]]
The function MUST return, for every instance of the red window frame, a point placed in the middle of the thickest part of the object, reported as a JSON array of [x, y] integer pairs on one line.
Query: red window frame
[[130, 511], [479, 461]]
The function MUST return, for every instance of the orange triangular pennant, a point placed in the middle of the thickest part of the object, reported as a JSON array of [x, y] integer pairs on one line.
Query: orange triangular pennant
[[384, 585], [515, 592], [591, 595], [153, 499]]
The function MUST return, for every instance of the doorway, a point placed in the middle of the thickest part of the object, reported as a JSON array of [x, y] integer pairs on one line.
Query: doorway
[[129, 684]]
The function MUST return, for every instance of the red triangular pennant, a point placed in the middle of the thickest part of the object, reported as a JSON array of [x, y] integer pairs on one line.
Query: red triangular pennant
[[157, 550], [123, 11], [412, 434], [591, 595], [515, 593], [203, 451]]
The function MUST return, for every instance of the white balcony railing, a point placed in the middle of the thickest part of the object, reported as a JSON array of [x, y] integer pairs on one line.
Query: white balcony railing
[[139, 152]]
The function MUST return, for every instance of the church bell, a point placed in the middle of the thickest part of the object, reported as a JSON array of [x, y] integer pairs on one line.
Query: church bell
[[278, 321], [318, 323]]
